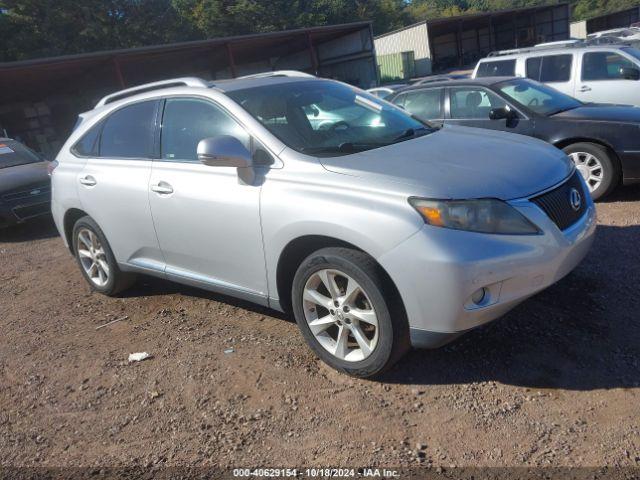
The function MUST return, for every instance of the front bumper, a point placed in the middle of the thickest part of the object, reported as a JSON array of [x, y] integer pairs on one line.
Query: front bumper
[[630, 161], [438, 270], [25, 202]]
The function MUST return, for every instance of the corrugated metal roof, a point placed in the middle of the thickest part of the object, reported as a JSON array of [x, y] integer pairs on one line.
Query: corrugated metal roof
[[468, 16], [191, 45]]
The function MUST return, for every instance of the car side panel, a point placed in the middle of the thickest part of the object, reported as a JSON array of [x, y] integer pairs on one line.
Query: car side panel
[[620, 137], [521, 125], [304, 199], [617, 91], [64, 188], [119, 203]]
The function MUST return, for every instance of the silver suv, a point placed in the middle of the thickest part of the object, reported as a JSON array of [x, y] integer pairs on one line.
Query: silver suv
[[376, 230]]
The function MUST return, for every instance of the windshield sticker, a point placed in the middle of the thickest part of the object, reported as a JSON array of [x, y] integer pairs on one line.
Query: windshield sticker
[[5, 149]]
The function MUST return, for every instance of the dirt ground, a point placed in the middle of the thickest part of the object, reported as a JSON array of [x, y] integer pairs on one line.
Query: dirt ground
[[555, 382]]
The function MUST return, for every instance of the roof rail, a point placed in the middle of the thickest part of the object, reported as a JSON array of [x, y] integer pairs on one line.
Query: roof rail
[[279, 73], [614, 41], [147, 87]]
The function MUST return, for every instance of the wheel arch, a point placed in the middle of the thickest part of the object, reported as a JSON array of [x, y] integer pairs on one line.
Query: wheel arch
[[565, 142], [300, 248], [71, 216]]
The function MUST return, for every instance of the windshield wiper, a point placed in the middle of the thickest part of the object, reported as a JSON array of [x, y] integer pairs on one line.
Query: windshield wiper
[[560, 110], [409, 133], [346, 147]]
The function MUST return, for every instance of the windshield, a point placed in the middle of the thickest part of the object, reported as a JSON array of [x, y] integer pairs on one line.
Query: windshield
[[634, 52], [13, 154], [540, 98], [327, 118]]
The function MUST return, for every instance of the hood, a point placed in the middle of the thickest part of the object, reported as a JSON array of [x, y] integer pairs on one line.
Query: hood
[[600, 112], [23, 176], [462, 162]]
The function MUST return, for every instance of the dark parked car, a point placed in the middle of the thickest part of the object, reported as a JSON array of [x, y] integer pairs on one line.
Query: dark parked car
[[602, 140], [25, 186]]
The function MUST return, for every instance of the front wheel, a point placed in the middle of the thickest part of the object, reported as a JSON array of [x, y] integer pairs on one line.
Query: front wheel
[[348, 312], [596, 166]]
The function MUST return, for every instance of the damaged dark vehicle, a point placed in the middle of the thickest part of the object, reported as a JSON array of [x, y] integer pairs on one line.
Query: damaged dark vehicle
[[25, 185]]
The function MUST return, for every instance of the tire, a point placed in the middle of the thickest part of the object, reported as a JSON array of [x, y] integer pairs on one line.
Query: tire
[[377, 348], [116, 280], [586, 155]]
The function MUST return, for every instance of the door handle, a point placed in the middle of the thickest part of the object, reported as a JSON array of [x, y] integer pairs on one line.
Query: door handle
[[88, 180], [163, 188], [585, 88]]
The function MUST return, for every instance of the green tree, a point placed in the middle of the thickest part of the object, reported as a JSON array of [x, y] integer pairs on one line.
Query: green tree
[[38, 28]]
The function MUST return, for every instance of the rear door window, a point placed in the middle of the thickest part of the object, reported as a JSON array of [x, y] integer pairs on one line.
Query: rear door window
[[128, 132], [424, 104], [499, 68], [556, 68], [550, 68]]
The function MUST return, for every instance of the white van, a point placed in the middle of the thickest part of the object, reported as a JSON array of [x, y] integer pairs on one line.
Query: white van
[[599, 74]]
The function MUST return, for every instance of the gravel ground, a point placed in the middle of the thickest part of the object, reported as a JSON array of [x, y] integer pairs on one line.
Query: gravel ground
[[553, 383]]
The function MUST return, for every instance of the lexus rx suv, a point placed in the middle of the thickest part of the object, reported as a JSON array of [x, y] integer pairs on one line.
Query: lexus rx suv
[[378, 232]]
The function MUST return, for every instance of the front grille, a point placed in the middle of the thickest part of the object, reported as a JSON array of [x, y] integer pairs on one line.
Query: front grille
[[557, 203], [27, 193]]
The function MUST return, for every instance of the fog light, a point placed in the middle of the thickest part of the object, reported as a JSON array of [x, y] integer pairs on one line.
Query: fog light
[[479, 296]]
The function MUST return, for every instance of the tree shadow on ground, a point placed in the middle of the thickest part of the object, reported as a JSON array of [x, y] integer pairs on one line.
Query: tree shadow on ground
[[582, 333], [147, 286], [36, 229], [630, 193]]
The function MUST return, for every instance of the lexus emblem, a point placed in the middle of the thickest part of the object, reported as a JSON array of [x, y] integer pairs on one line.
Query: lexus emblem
[[575, 199]]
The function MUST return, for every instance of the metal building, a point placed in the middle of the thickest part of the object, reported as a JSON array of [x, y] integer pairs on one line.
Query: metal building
[[40, 99], [448, 43], [621, 19]]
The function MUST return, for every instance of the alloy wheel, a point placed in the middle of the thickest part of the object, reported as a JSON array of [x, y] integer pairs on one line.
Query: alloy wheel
[[340, 315], [92, 257], [589, 167]]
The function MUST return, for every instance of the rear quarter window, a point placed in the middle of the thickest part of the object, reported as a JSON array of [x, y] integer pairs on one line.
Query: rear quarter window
[[87, 146], [498, 68]]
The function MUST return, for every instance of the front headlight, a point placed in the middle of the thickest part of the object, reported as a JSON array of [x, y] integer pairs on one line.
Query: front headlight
[[483, 216]]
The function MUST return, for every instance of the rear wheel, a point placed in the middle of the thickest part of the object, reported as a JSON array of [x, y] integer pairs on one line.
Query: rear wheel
[[96, 260], [348, 313], [596, 166]]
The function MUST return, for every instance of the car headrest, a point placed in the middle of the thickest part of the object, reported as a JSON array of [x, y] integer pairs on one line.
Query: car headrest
[[474, 99], [272, 107]]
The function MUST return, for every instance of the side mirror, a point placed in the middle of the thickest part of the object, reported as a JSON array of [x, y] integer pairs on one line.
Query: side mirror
[[629, 73], [500, 113], [224, 151]]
